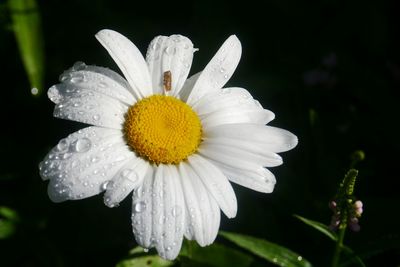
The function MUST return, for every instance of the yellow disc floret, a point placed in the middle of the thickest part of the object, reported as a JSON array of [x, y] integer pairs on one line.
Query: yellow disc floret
[[162, 129]]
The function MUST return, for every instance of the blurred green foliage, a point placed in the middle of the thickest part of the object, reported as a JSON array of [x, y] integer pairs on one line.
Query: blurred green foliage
[[26, 24], [329, 70]]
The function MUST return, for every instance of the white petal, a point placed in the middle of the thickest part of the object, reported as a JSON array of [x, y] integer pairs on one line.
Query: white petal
[[89, 107], [235, 115], [226, 98], [216, 183], [158, 212], [81, 164], [258, 179], [178, 212], [231, 105], [166, 212], [129, 60], [129, 177], [271, 138], [174, 54], [242, 156], [202, 211], [219, 70], [142, 207], [188, 87], [89, 79]]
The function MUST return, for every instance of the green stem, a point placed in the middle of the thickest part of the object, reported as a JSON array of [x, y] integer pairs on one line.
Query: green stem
[[339, 245]]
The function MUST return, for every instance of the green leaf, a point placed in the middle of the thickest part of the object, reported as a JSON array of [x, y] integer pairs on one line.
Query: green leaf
[[319, 226], [353, 258], [8, 214], [145, 261], [26, 24], [214, 255], [8, 219], [271, 252], [332, 235], [7, 229]]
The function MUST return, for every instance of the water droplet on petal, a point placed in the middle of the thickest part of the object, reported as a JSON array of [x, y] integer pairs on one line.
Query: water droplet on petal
[[176, 211], [79, 65], [77, 78], [170, 50], [105, 185], [66, 155], [81, 145], [139, 207], [96, 117], [130, 175], [62, 145], [103, 85], [155, 46], [64, 77]]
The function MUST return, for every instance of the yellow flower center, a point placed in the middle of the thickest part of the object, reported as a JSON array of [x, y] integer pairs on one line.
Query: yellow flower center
[[162, 129]]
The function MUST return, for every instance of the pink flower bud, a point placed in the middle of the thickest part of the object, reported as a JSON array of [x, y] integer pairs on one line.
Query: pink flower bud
[[354, 227], [358, 204], [332, 205], [358, 212]]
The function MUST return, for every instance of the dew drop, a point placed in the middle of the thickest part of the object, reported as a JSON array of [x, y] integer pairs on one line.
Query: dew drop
[[176, 211], [62, 145], [170, 50], [106, 185], [63, 77], [77, 78], [79, 65], [74, 164], [155, 46], [226, 76], [130, 175], [96, 117], [145, 250], [139, 207], [66, 155], [299, 258], [103, 85], [81, 145], [222, 70], [34, 91]]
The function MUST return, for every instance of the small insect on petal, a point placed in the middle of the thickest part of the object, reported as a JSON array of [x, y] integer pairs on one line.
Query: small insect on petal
[[167, 81]]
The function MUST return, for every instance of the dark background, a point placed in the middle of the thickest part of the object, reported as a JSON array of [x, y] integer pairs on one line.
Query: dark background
[[329, 70]]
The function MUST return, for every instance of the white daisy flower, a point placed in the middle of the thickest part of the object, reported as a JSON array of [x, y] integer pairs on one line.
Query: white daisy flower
[[175, 142]]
